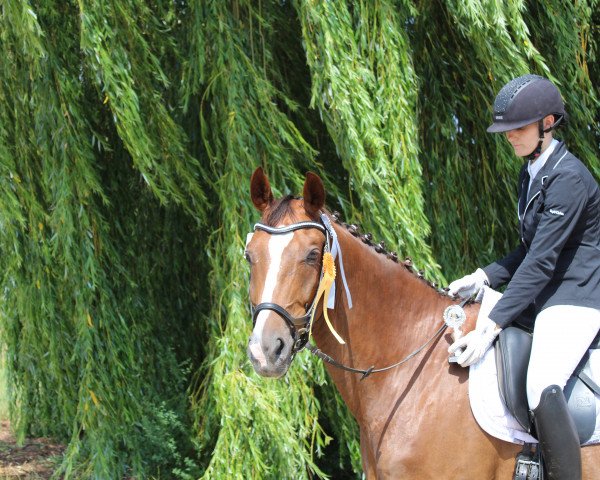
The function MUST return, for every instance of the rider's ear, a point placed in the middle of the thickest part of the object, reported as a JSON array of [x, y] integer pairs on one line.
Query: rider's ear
[[260, 190], [314, 194]]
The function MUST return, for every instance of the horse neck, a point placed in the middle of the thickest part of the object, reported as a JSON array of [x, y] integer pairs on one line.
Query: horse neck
[[393, 313], [386, 295]]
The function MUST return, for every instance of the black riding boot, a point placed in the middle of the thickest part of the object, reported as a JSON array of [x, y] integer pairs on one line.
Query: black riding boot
[[558, 436]]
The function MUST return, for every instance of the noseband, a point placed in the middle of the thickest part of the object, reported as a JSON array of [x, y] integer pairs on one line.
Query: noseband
[[299, 326]]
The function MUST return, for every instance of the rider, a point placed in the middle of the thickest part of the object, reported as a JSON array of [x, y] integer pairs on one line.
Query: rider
[[555, 270]]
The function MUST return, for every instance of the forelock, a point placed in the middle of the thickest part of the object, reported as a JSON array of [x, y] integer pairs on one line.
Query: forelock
[[281, 209]]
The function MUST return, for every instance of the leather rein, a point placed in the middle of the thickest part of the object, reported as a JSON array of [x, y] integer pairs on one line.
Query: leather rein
[[365, 373], [300, 326]]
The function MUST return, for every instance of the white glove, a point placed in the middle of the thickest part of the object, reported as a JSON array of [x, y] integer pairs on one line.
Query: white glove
[[476, 342], [469, 284]]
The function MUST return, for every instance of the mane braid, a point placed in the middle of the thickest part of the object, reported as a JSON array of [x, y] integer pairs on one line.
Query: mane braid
[[381, 248]]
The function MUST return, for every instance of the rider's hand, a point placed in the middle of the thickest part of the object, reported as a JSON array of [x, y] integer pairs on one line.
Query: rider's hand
[[469, 284], [476, 342]]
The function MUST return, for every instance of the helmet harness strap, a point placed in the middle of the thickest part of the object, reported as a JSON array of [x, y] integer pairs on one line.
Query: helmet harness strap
[[538, 150]]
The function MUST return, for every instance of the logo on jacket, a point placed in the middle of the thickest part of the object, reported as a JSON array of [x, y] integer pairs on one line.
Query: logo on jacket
[[556, 212]]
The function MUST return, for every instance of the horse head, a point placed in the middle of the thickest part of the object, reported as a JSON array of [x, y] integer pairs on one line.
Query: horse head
[[285, 255]]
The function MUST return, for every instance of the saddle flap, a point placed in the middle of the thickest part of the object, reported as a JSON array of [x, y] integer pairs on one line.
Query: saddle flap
[[512, 358]]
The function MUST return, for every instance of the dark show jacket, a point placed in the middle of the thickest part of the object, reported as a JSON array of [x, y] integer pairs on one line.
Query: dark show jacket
[[558, 260]]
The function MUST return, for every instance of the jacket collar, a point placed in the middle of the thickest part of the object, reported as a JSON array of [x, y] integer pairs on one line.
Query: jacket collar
[[540, 178]]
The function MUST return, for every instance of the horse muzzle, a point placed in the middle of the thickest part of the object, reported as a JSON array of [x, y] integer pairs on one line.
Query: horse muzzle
[[270, 357]]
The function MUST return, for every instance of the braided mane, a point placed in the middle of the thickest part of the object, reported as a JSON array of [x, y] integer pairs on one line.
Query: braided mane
[[380, 247]]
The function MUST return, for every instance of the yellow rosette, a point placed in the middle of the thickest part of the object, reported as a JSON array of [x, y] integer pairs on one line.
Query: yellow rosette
[[323, 291]]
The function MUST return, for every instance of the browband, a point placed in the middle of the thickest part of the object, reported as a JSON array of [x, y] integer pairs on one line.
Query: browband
[[289, 228]]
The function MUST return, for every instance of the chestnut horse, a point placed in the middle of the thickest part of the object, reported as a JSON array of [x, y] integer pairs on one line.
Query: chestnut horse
[[415, 420]]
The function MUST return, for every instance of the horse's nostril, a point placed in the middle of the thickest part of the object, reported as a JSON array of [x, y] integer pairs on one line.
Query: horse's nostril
[[280, 347]]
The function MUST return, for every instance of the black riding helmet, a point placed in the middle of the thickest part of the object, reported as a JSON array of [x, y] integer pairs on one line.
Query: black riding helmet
[[525, 100]]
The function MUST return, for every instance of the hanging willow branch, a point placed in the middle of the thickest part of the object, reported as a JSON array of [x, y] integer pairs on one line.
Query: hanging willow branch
[[85, 349], [468, 51], [364, 86], [244, 124]]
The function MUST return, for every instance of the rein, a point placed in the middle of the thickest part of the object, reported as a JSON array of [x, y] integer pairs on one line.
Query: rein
[[365, 373]]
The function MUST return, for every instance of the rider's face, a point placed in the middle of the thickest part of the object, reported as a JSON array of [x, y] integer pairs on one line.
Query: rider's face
[[525, 139]]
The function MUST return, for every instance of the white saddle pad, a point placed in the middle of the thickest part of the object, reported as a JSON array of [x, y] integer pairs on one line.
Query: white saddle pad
[[484, 395]]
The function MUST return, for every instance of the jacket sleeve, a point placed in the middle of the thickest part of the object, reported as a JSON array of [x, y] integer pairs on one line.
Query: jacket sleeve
[[565, 199], [501, 271]]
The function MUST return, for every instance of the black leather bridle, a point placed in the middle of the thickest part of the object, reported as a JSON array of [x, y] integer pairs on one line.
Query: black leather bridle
[[299, 326]]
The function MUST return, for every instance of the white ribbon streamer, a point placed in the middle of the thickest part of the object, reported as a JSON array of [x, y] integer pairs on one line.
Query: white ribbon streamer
[[335, 249]]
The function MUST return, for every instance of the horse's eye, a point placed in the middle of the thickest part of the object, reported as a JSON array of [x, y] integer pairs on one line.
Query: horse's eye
[[313, 257], [247, 257]]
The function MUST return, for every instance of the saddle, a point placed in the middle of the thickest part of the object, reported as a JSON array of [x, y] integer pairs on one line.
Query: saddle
[[512, 357]]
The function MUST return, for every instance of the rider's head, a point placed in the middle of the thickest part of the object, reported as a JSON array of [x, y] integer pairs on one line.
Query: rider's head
[[526, 101]]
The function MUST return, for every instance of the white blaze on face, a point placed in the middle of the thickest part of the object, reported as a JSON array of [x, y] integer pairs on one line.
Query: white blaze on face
[[277, 245]]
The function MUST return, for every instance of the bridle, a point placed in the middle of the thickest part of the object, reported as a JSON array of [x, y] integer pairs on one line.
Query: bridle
[[299, 326]]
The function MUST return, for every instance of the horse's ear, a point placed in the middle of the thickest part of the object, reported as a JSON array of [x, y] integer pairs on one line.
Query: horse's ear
[[260, 190], [314, 194]]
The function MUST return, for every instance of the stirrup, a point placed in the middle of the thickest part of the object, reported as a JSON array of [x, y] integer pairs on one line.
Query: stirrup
[[527, 466]]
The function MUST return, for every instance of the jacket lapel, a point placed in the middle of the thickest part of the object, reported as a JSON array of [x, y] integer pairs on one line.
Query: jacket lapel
[[554, 158], [536, 185], [523, 184]]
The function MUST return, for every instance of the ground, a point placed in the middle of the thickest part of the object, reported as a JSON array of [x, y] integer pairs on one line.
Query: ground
[[34, 460]]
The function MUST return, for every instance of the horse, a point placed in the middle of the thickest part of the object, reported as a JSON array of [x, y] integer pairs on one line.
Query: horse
[[415, 420]]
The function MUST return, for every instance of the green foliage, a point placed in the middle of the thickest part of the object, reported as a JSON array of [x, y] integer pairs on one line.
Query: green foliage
[[364, 85], [128, 133], [3, 391], [467, 51], [92, 263]]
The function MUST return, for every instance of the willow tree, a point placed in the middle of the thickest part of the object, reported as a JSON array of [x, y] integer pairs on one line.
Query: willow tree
[[128, 132]]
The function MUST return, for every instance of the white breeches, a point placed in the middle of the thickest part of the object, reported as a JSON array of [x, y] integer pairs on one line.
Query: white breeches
[[561, 336]]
